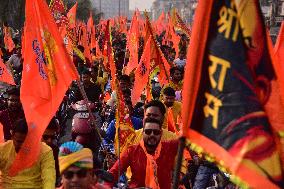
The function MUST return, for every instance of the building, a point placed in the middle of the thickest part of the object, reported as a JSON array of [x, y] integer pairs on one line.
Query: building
[[112, 8], [185, 8]]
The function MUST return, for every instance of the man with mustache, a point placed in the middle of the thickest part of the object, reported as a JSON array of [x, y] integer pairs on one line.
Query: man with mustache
[[151, 161]]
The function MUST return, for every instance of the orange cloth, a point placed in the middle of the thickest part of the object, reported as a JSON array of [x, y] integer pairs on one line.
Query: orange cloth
[[151, 178]]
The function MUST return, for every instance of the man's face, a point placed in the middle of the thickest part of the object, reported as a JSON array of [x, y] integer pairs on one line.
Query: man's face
[[177, 75], [18, 140], [151, 136], [77, 178], [85, 78], [168, 100], [13, 102], [154, 112], [49, 137], [124, 85]]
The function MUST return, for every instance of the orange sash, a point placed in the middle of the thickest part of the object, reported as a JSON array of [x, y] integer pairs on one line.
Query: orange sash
[[151, 178]]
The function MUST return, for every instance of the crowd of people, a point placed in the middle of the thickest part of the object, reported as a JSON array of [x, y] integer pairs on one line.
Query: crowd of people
[[93, 149]]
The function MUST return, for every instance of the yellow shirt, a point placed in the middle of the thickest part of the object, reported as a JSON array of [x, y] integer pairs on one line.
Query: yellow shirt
[[39, 176], [101, 81], [176, 113]]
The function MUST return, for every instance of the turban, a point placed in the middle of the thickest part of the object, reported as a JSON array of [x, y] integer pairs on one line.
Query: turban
[[73, 153]]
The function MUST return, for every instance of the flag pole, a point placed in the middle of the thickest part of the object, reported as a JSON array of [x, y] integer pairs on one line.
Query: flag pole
[[81, 88], [179, 162]]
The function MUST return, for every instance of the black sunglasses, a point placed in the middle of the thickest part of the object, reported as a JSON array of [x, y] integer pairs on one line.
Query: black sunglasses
[[82, 173], [154, 131]]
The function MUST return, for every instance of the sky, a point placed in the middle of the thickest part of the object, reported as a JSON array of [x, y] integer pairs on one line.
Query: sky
[[140, 4]]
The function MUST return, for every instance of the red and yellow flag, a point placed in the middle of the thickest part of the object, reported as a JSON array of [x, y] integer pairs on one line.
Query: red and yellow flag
[[47, 74], [133, 44], [71, 15], [8, 41], [228, 82], [5, 75], [58, 11]]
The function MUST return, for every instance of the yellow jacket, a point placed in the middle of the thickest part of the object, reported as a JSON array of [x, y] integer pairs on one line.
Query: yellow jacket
[[40, 176]]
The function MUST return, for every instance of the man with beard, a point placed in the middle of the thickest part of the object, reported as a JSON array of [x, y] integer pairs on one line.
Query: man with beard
[[151, 161], [42, 173], [12, 113], [176, 81], [173, 110]]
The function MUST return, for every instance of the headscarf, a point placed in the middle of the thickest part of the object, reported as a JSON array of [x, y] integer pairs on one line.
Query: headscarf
[[73, 153]]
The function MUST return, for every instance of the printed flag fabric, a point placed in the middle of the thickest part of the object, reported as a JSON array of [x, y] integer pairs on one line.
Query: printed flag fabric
[[47, 74], [5, 75], [59, 13], [226, 87]]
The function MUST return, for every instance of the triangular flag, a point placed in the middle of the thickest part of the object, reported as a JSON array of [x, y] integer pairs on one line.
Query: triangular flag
[[227, 83], [133, 44], [8, 41], [71, 15], [5, 75], [48, 68]]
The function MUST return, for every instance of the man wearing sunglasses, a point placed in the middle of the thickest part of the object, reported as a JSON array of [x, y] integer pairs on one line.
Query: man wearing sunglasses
[[76, 167], [151, 161]]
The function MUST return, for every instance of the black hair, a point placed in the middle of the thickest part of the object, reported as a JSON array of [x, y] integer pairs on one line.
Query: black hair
[[85, 71], [125, 78], [81, 48], [168, 91], [95, 69], [14, 91], [20, 126], [173, 69], [152, 120], [53, 124], [156, 103], [126, 92]]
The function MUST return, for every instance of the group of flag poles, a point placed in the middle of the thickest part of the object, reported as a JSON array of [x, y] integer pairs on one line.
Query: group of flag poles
[[230, 65]]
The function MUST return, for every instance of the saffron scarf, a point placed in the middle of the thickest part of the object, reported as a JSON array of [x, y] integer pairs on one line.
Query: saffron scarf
[[151, 177]]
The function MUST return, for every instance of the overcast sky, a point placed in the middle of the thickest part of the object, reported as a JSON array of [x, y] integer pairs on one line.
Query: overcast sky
[[140, 4]]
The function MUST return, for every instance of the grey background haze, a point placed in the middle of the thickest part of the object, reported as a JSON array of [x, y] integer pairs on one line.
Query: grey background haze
[[140, 4]]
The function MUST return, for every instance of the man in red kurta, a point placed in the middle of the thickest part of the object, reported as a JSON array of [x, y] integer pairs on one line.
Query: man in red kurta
[[151, 161]]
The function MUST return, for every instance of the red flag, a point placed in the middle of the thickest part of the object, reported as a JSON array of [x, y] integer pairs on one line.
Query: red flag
[[225, 90], [172, 36], [71, 15], [5, 75], [8, 41], [179, 24], [142, 73], [132, 44], [49, 70], [59, 13], [1, 134], [279, 46]]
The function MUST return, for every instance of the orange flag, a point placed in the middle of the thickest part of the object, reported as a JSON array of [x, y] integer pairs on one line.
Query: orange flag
[[91, 32], [1, 134], [142, 73], [172, 36], [8, 41], [47, 74], [160, 23], [226, 91], [279, 46], [132, 44], [71, 15], [5, 75]]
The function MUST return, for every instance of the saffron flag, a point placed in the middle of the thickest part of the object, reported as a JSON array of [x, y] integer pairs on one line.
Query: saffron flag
[[71, 15], [160, 23], [5, 75], [1, 134], [47, 74], [59, 13], [133, 44], [179, 24], [8, 41], [142, 73], [91, 32], [227, 83], [279, 46]]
